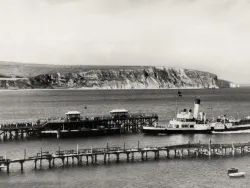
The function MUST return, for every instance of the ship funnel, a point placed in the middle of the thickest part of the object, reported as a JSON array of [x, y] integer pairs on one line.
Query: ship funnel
[[196, 107]]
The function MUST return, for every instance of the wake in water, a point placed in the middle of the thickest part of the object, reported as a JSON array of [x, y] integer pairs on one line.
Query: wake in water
[[232, 132]]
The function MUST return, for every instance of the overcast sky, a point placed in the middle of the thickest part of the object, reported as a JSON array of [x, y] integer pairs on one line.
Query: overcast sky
[[209, 35]]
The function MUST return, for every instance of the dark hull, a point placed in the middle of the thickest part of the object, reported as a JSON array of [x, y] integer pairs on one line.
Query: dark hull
[[234, 129], [166, 131]]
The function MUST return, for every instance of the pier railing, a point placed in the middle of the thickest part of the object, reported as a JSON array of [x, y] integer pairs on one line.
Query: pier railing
[[92, 155]]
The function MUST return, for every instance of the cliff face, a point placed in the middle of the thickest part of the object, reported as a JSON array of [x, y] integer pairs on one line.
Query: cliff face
[[117, 78]]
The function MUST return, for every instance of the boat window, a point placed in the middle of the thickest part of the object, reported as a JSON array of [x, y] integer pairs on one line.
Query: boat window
[[191, 126], [177, 126]]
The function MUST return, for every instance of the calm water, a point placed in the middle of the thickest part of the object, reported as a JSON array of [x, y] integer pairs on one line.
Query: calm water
[[34, 104]]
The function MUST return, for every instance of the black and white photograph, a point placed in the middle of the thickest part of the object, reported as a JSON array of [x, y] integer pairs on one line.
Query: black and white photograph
[[124, 93]]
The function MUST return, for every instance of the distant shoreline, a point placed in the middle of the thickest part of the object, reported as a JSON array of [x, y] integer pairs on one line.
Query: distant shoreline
[[95, 89]]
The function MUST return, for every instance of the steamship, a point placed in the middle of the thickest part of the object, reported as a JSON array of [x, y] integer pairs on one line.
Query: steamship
[[185, 122], [230, 124]]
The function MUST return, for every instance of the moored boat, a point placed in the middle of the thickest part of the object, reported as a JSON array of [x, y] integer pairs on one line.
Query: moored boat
[[185, 122], [234, 172], [230, 124]]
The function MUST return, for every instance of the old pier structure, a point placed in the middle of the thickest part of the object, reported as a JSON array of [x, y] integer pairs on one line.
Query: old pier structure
[[117, 154], [73, 125]]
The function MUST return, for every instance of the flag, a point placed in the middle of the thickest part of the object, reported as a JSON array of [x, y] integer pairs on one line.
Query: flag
[[179, 94]]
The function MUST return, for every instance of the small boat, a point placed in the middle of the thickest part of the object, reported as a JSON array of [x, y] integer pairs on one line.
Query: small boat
[[234, 172]]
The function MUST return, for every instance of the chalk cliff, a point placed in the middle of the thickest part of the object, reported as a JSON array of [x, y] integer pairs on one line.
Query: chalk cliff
[[108, 78]]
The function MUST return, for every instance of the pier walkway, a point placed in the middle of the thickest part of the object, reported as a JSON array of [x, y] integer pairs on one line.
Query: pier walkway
[[117, 154], [63, 127]]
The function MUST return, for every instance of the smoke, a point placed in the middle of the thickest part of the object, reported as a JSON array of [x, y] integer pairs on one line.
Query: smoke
[[208, 35]]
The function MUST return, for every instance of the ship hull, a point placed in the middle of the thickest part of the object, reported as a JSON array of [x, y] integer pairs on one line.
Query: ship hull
[[156, 131]]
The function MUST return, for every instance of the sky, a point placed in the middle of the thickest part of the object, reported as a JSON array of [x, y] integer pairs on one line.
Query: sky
[[208, 35]]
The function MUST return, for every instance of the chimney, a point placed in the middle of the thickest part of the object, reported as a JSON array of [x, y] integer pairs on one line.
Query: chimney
[[201, 116], [196, 107]]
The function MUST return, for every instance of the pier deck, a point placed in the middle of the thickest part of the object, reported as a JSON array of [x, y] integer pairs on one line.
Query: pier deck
[[62, 127], [92, 155]]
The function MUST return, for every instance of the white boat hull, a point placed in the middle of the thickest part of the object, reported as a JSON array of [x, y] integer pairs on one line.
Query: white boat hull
[[237, 174]]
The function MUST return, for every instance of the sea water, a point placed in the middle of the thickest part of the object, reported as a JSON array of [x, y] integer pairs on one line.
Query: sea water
[[23, 105]]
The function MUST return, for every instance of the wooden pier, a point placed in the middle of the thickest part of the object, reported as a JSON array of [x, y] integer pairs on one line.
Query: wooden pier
[[77, 127], [117, 154]]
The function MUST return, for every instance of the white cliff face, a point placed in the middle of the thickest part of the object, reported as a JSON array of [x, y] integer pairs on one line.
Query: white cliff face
[[126, 78], [119, 78]]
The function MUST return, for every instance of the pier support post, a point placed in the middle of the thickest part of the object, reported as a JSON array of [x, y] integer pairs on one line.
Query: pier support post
[[181, 154], [209, 149], [133, 156], [168, 156], [117, 157], [10, 135], [35, 161], [8, 167], [128, 156], [78, 160], [233, 149], [104, 158], [21, 163], [87, 159], [21, 133], [146, 155], [92, 159], [142, 156], [96, 159], [63, 161], [108, 157], [16, 135], [49, 163], [67, 161], [53, 162], [58, 134]]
